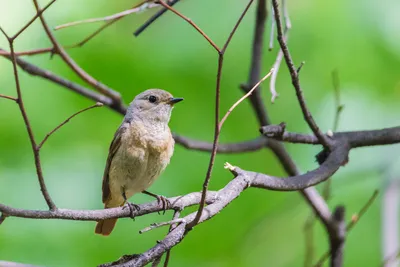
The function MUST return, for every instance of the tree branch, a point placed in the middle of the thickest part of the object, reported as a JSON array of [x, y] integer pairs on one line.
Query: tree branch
[[75, 67], [295, 80]]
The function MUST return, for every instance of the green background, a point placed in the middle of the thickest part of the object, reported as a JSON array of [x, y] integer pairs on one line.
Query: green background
[[261, 228]]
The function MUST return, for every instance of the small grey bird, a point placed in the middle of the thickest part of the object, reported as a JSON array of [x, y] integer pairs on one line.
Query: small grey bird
[[140, 151]]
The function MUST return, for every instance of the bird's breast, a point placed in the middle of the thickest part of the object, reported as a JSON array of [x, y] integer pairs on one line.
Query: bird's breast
[[140, 159]]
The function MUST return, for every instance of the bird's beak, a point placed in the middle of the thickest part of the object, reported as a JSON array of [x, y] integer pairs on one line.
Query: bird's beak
[[174, 100]]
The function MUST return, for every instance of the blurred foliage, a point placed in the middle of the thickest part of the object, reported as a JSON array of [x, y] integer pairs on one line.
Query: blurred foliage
[[358, 38]]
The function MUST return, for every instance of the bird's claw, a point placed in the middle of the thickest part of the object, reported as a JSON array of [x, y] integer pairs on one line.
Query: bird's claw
[[132, 208], [166, 204]]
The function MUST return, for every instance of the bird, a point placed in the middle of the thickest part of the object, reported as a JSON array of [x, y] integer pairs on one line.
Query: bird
[[140, 151]]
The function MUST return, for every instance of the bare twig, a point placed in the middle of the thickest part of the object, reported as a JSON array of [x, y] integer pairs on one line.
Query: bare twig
[[356, 217], [8, 97], [98, 104], [244, 97], [29, 52], [105, 19], [157, 225]]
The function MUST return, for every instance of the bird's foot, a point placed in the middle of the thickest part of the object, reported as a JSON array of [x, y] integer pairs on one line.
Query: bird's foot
[[132, 208], [166, 204]]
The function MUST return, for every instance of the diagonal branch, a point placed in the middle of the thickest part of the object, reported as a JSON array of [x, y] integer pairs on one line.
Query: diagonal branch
[[98, 104], [72, 64], [295, 80]]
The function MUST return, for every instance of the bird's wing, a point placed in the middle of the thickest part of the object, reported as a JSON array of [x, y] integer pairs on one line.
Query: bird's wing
[[115, 144]]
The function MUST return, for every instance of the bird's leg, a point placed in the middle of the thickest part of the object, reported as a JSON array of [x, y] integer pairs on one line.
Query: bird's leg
[[160, 199], [132, 207]]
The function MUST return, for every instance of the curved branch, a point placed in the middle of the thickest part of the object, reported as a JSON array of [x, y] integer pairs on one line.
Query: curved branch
[[337, 158]]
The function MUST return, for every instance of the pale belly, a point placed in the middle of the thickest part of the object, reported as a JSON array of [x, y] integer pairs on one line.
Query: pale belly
[[134, 169]]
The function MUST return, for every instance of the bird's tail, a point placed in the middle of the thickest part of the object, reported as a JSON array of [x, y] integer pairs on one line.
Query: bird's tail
[[105, 227]]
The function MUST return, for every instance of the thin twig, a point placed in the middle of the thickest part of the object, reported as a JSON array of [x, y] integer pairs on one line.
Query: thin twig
[[105, 19], [8, 97], [244, 97], [295, 81], [29, 52], [157, 225], [98, 104], [356, 217], [170, 8], [300, 67]]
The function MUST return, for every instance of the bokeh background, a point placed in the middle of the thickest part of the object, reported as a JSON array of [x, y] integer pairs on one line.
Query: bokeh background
[[261, 228]]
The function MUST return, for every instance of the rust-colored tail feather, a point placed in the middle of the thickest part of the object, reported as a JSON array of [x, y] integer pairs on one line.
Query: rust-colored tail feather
[[105, 227]]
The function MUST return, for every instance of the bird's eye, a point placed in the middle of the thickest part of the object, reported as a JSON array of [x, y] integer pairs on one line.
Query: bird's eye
[[152, 99]]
